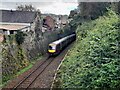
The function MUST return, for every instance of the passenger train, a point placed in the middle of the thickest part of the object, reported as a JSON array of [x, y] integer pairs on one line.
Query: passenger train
[[56, 47]]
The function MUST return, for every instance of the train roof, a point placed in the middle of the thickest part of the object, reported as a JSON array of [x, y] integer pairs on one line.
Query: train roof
[[62, 39]]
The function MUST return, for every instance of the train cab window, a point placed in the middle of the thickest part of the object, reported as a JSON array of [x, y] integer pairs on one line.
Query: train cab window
[[51, 47]]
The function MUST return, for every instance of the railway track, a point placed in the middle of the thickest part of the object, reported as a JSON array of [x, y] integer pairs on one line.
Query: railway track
[[29, 79], [40, 76]]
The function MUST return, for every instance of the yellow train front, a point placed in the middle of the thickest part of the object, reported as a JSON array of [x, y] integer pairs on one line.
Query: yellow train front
[[56, 47]]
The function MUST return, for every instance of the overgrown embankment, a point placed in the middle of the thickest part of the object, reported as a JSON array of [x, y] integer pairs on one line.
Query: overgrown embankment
[[19, 51], [94, 61]]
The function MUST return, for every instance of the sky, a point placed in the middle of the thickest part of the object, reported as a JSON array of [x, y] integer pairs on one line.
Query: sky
[[62, 7]]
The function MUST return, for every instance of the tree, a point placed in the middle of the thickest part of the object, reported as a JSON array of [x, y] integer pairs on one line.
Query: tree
[[92, 10], [72, 13], [26, 8], [20, 37]]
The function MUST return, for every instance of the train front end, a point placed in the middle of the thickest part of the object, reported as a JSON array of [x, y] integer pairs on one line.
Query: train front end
[[52, 49]]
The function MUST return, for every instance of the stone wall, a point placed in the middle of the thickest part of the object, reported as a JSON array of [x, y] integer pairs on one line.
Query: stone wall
[[38, 44]]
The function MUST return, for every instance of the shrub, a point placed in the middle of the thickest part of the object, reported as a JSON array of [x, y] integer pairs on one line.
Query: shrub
[[20, 37], [94, 61]]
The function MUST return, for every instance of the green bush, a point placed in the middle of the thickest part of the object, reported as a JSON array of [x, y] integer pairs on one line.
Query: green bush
[[12, 64], [94, 61], [20, 37]]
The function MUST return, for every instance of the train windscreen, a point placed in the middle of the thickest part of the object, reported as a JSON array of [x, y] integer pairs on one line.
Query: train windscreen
[[51, 47]]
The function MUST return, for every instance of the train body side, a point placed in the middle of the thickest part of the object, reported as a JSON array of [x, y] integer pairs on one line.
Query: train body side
[[57, 46]]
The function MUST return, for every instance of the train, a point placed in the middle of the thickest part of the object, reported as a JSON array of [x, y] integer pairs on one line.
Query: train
[[57, 46]]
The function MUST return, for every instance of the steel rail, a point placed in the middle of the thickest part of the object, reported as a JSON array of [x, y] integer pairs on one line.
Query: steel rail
[[23, 80]]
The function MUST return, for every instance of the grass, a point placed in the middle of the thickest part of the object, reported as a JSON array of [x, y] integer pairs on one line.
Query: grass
[[3, 84], [24, 70], [39, 57]]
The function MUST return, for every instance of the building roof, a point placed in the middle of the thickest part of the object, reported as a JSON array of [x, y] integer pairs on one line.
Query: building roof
[[17, 16], [12, 27], [49, 17]]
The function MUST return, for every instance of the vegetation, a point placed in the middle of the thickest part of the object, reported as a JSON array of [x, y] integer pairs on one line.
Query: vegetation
[[20, 37], [14, 58], [92, 10], [94, 61], [9, 77], [26, 8], [13, 66]]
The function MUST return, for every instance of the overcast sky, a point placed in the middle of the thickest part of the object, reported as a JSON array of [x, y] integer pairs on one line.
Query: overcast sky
[[46, 6]]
